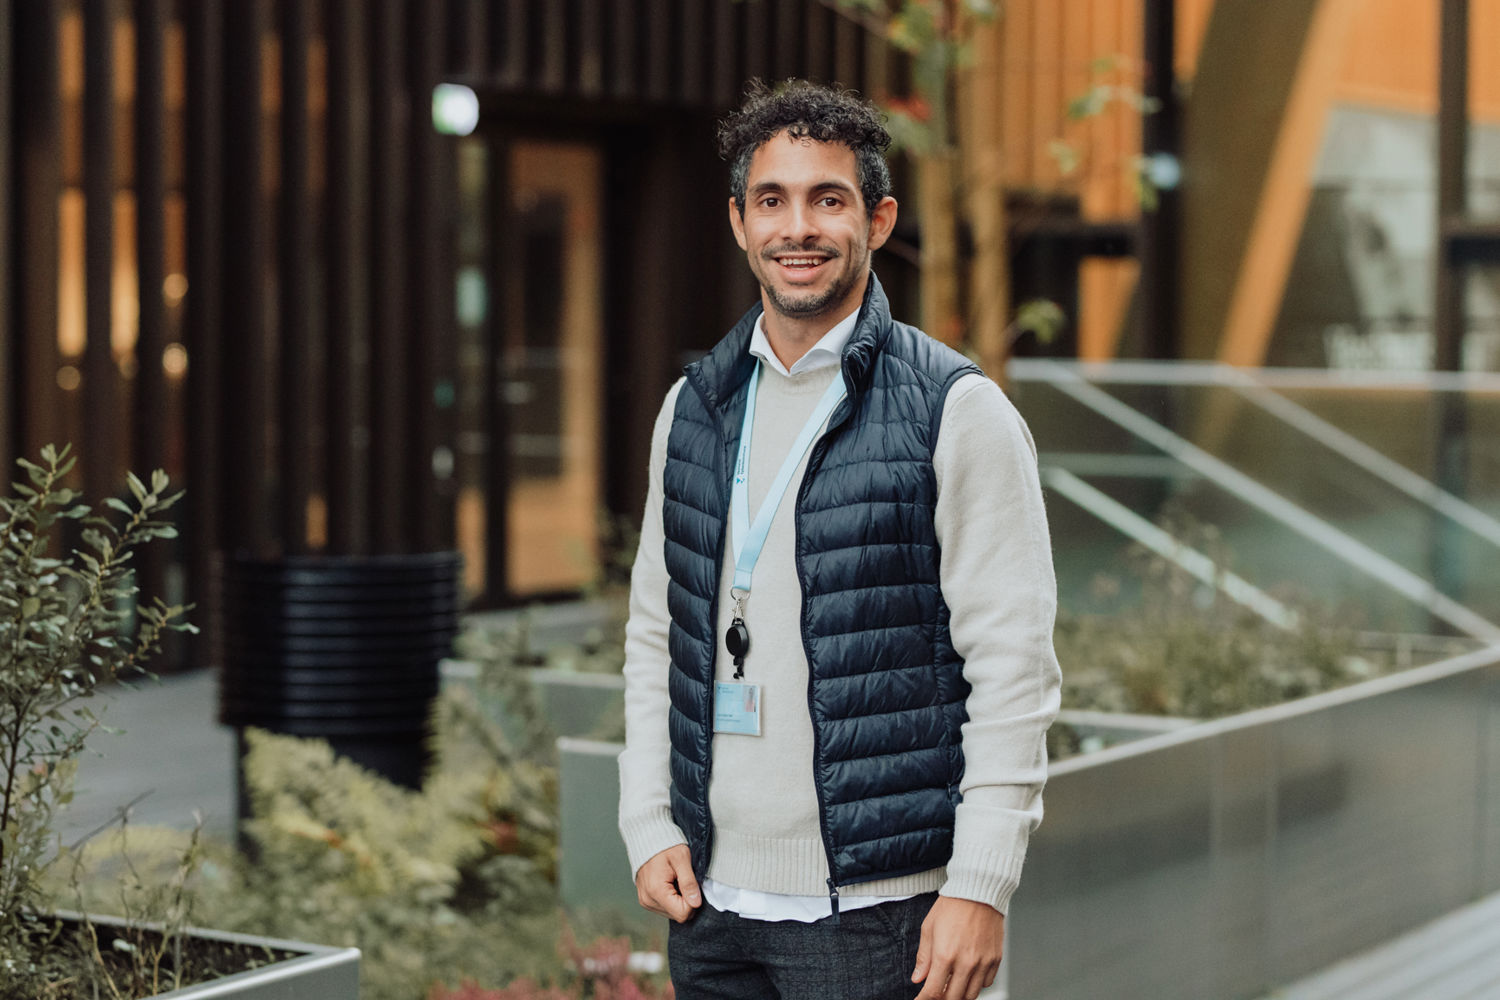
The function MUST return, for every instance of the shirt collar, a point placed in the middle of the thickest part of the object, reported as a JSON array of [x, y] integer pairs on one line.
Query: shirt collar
[[824, 353]]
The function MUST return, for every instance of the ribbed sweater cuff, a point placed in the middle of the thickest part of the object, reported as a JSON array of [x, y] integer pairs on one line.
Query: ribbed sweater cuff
[[989, 877], [648, 835]]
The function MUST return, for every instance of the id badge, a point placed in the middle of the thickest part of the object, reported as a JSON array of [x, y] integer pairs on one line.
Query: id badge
[[737, 708]]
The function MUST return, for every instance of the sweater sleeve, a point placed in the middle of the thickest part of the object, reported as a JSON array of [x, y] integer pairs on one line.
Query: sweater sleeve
[[645, 780], [998, 582]]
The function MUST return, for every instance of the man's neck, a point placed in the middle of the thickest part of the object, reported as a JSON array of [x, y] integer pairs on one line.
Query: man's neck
[[791, 337]]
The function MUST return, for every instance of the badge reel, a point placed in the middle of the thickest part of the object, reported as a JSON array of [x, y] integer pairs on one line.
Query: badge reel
[[736, 704]]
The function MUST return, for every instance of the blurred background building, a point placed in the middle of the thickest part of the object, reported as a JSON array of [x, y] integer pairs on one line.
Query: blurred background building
[[243, 240]]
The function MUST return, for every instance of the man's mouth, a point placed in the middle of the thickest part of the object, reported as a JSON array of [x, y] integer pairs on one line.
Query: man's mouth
[[801, 263]]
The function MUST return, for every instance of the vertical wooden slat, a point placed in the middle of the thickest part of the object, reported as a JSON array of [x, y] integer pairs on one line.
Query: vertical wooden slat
[[552, 65], [389, 252], [245, 390], [150, 416], [726, 63], [347, 367], [203, 315], [467, 27], [817, 33], [39, 184], [429, 333], [1016, 98], [848, 39], [294, 252], [508, 42], [149, 405], [1450, 559], [1046, 45], [1452, 179], [624, 65], [693, 51], [661, 59], [500, 253], [8, 317], [755, 39], [876, 65], [787, 55], [1162, 137], [589, 18], [100, 374]]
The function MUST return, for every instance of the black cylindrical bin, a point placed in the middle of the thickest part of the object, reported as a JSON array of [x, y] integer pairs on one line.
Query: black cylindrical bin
[[345, 648]]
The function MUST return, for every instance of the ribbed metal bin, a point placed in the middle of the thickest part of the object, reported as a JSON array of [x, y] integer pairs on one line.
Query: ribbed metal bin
[[345, 648]]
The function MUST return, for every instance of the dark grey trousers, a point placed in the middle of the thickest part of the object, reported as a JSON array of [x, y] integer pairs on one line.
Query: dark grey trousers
[[865, 954]]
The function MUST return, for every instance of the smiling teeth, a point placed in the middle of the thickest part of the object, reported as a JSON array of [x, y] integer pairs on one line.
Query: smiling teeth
[[801, 261]]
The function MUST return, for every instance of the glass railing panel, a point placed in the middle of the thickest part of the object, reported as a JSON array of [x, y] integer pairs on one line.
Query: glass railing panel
[[1402, 423], [1061, 425], [1252, 544], [1322, 479], [1320, 511]]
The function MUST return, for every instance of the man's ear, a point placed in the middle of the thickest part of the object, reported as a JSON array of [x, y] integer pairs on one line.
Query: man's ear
[[881, 222], [737, 223]]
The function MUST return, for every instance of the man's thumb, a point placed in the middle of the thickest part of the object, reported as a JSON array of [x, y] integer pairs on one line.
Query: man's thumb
[[924, 958], [687, 885]]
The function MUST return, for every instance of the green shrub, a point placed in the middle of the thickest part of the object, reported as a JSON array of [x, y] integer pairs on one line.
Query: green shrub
[[67, 624], [1186, 649]]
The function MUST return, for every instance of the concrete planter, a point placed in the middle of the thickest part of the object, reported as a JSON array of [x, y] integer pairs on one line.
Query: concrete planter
[[594, 869], [315, 972], [1236, 856], [575, 704]]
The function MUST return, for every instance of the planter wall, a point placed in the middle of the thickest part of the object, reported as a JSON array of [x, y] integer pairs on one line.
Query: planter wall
[[594, 869], [315, 973], [1219, 860], [575, 704], [1240, 855]]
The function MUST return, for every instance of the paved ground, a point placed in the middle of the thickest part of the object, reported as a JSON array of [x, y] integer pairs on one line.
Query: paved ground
[[175, 758], [171, 754], [1456, 957]]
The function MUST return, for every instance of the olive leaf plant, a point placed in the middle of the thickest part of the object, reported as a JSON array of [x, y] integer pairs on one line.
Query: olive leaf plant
[[67, 625]]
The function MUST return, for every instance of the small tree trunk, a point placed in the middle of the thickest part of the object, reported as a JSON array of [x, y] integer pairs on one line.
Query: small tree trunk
[[982, 147], [989, 282], [942, 314]]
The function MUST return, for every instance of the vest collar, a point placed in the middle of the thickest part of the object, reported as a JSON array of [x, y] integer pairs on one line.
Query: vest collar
[[728, 365]]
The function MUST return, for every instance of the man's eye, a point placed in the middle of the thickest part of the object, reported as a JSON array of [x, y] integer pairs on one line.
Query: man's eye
[[769, 202]]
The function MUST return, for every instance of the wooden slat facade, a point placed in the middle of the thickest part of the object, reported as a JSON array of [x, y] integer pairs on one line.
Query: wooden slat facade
[[312, 209], [309, 201]]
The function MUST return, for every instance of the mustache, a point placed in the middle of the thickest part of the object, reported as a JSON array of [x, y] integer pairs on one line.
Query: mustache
[[793, 250]]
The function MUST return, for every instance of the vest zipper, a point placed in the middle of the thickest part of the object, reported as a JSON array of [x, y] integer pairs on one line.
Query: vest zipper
[[814, 460]]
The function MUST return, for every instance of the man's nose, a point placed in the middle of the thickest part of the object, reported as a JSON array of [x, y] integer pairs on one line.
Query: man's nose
[[801, 224]]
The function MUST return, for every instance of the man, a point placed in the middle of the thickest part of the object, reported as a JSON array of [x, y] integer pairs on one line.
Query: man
[[839, 665]]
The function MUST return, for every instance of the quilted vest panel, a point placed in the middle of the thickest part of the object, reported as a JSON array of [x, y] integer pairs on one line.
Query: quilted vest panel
[[887, 691]]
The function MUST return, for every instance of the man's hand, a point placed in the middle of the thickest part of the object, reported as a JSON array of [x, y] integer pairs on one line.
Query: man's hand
[[665, 884], [959, 953]]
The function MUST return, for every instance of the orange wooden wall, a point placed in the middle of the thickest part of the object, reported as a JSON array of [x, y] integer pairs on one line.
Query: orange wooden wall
[[1047, 52]]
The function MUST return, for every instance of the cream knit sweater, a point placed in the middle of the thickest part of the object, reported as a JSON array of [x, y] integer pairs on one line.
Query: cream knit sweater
[[998, 582]]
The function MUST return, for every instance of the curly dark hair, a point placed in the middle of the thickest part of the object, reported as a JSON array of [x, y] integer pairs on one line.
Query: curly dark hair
[[807, 111]]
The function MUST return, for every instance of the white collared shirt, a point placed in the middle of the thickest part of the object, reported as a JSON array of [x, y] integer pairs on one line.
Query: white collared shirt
[[824, 353]]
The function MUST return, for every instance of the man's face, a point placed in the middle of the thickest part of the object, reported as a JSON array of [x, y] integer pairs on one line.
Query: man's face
[[805, 230]]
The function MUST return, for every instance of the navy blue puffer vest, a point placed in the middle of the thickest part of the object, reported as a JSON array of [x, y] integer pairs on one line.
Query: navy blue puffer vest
[[886, 690]]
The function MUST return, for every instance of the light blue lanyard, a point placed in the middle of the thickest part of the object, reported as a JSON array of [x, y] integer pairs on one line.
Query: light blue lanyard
[[748, 539]]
